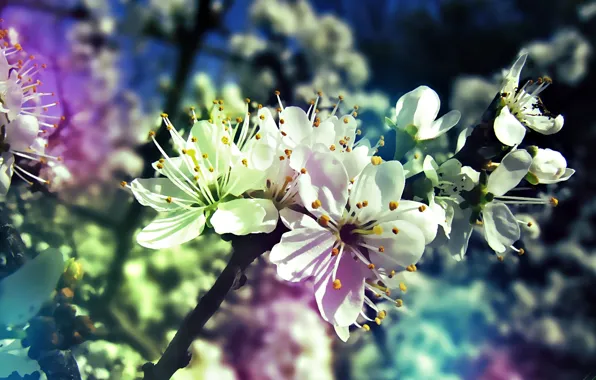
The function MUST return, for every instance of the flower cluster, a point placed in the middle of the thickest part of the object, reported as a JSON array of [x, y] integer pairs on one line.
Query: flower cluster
[[23, 118], [355, 226]]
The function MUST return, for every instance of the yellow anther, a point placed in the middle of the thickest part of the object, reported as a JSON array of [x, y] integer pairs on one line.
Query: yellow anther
[[416, 156], [348, 149], [258, 136], [220, 102], [403, 287], [392, 273], [332, 148], [422, 208], [288, 152], [500, 258], [205, 155], [238, 120], [183, 151], [365, 327], [281, 158], [393, 205], [336, 284], [220, 108], [382, 314], [303, 171], [554, 201], [355, 114], [247, 100], [378, 321], [262, 117], [159, 165], [371, 266], [281, 121], [211, 169], [151, 134], [399, 302], [193, 139], [334, 252], [123, 183], [376, 160], [324, 220], [521, 251], [395, 230], [340, 97], [530, 224], [358, 132], [359, 205], [411, 268], [244, 162], [364, 203], [277, 93], [316, 204], [381, 249], [225, 140], [378, 230], [346, 120], [342, 142], [169, 199]]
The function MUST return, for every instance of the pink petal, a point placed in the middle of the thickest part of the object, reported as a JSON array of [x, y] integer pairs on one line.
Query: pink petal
[[302, 253], [341, 306]]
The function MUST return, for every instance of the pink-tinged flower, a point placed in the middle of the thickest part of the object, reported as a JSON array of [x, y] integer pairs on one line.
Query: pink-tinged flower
[[352, 239], [22, 116]]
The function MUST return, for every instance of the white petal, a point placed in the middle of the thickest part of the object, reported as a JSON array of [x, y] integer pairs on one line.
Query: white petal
[[400, 249], [294, 220], [245, 216], [324, 133], [325, 180], [341, 306], [153, 192], [462, 137], [343, 332], [243, 179], [13, 357], [426, 220], [418, 107], [209, 141], [172, 229], [6, 171], [355, 161], [295, 124], [511, 80], [22, 132], [512, 169], [379, 185], [440, 126], [23, 293], [508, 129], [568, 173], [302, 253], [500, 227], [461, 230], [267, 124], [430, 167]]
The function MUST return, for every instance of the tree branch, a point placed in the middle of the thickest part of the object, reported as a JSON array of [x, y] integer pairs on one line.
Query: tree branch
[[246, 250]]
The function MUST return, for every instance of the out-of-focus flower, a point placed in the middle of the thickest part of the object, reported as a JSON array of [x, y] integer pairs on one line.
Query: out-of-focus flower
[[206, 364], [523, 108], [548, 167], [13, 358], [566, 56], [23, 292], [330, 248], [416, 112]]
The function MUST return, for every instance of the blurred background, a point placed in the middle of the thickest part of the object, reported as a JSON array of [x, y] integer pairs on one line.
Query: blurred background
[[115, 65]]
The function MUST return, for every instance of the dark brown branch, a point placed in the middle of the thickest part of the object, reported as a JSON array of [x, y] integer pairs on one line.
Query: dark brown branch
[[246, 250]]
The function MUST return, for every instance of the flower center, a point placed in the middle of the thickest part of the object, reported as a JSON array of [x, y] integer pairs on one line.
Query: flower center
[[348, 235]]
